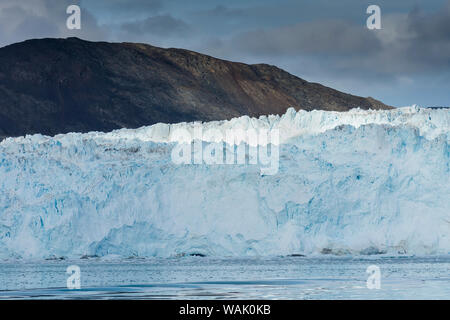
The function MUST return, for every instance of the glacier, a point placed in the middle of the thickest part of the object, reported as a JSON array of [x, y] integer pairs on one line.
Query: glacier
[[356, 182]]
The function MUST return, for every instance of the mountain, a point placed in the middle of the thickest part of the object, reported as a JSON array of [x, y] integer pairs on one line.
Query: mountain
[[53, 86]]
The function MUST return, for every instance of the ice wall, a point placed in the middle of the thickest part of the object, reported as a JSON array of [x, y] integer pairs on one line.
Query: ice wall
[[357, 182]]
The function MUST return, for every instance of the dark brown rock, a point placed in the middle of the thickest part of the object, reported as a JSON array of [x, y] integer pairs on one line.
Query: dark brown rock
[[53, 86]]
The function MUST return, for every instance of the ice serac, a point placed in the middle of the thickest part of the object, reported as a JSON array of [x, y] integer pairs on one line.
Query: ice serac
[[357, 182]]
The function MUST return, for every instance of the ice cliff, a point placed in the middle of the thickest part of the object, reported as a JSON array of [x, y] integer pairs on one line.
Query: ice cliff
[[357, 182]]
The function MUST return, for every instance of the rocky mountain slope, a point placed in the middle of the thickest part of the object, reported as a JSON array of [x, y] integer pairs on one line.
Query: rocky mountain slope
[[53, 86]]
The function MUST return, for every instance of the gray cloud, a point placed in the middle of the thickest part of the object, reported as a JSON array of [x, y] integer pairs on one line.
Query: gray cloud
[[111, 11], [160, 25], [406, 62], [221, 11], [127, 5], [333, 37], [428, 37], [29, 19], [319, 40], [407, 44], [16, 22]]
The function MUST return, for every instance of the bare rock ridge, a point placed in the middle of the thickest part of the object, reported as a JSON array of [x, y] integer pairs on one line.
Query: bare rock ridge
[[52, 86]]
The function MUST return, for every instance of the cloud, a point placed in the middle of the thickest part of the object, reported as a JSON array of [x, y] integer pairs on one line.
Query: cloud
[[118, 11], [321, 41], [407, 44], [223, 12], [126, 5], [407, 61], [332, 37], [160, 25], [428, 37], [29, 19]]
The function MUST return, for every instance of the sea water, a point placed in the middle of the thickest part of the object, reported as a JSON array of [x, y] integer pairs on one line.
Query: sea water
[[229, 278]]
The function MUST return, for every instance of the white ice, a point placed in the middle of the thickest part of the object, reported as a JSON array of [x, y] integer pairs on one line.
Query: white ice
[[357, 182]]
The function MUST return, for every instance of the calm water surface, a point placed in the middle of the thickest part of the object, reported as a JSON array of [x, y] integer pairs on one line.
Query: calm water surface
[[229, 278]]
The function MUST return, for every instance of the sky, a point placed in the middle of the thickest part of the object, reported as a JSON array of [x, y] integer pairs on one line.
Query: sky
[[406, 62]]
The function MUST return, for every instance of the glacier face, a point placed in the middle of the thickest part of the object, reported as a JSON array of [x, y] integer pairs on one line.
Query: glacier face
[[356, 182]]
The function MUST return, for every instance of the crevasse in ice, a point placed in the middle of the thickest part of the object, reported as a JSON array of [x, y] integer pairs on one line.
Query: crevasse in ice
[[356, 182]]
